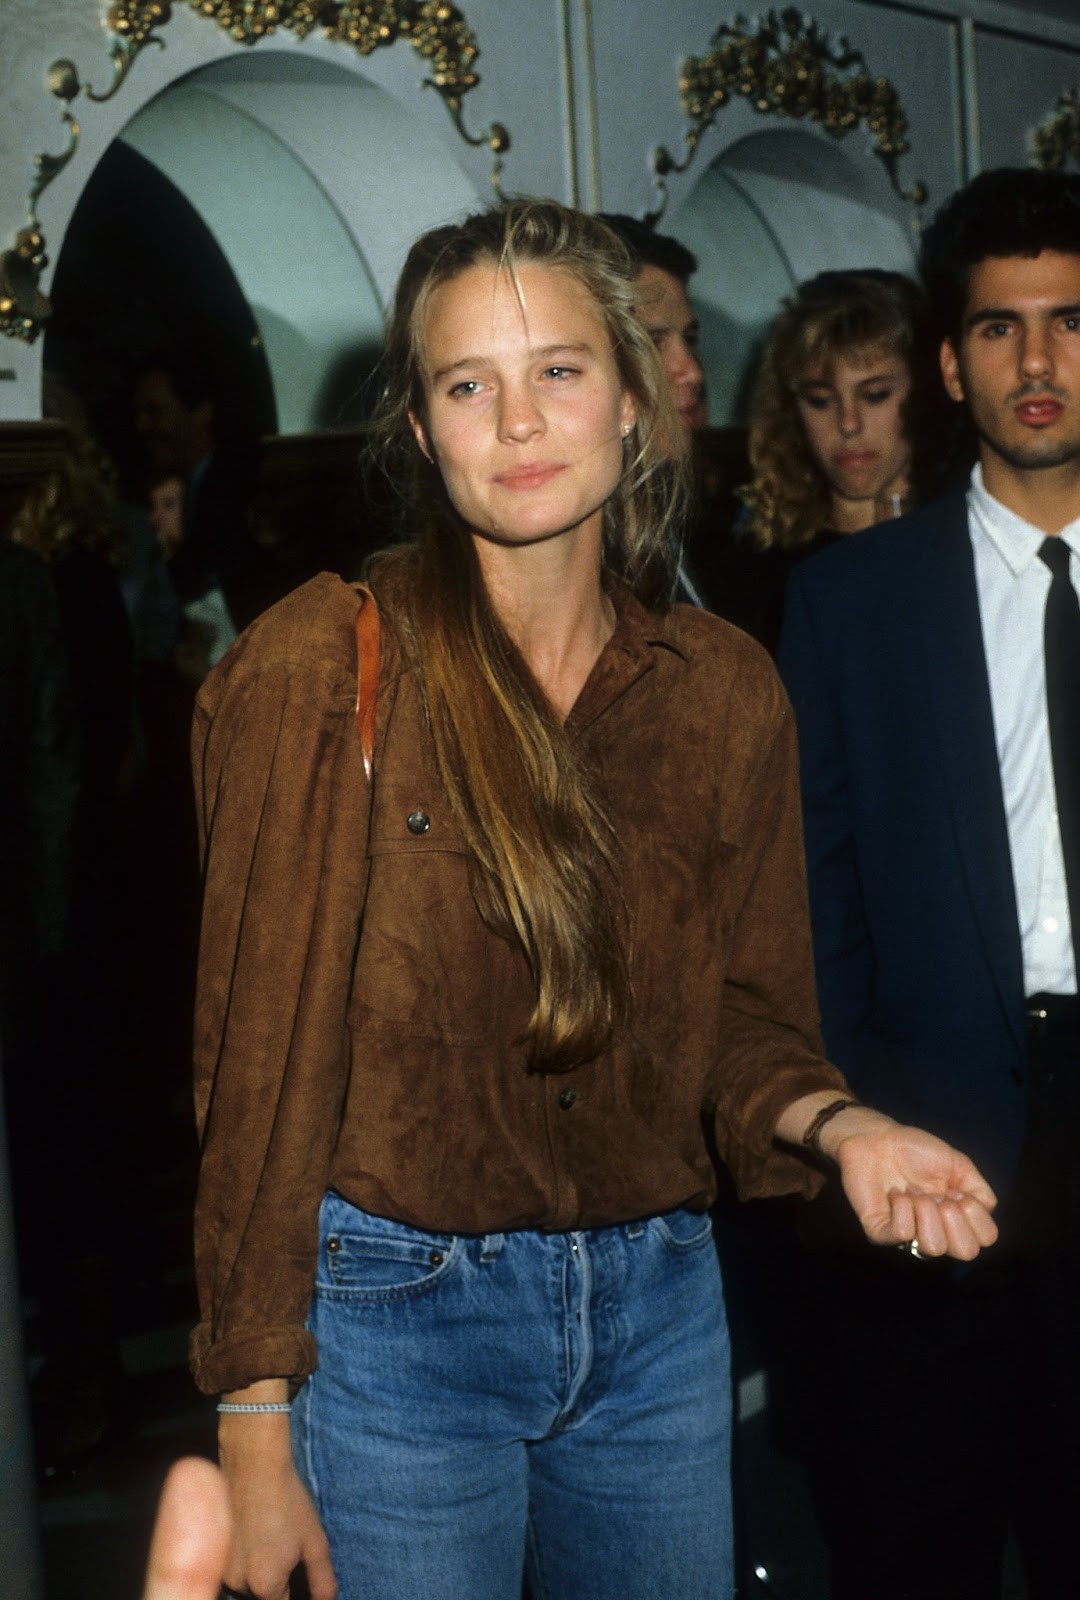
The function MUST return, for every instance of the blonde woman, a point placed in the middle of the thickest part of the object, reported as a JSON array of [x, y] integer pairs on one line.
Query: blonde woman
[[464, 1020], [848, 427]]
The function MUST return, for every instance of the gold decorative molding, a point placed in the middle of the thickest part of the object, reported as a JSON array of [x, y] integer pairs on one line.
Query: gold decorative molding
[[1057, 140], [23, 307], [132, 24], [436, 29], [787, 66]]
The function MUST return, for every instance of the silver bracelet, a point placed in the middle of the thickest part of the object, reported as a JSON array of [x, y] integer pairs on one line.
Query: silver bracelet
[[254, 1405]]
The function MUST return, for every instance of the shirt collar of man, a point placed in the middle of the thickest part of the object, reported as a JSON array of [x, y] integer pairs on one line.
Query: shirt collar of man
[[1016, 540]]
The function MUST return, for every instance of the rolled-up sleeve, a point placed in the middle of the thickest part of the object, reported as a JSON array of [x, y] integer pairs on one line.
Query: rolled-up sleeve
[[282, 801]]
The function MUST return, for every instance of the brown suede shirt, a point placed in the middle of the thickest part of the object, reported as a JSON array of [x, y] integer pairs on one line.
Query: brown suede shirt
[[355, 1015]]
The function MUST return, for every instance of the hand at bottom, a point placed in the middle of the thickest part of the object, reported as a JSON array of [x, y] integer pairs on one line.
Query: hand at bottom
[[190, 1546]]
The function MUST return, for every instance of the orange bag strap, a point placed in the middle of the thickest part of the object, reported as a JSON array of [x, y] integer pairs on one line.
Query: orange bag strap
[[367, 675]]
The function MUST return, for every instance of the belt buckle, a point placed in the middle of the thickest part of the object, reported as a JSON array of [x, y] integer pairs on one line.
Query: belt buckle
[[1038, 1021]]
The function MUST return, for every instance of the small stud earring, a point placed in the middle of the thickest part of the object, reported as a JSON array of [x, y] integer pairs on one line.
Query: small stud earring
[[626, 429]]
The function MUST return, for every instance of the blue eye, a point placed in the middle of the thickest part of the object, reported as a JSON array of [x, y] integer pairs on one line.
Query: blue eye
[[467, 386], [560, 372]]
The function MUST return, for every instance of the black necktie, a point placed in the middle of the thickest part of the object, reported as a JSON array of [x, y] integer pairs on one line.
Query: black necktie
[[1061, 642]]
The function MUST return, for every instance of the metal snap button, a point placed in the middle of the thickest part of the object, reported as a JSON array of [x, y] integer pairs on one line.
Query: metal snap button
[[418, 822], [436, 1258], [567, 1098], [333, 1245]]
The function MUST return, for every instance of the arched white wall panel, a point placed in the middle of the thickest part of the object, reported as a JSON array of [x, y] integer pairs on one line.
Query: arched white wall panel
[[314, 183], [773, 210]]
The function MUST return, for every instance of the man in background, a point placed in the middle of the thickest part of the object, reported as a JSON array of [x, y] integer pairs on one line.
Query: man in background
[[664, 270], [176, 415], [934, 667]]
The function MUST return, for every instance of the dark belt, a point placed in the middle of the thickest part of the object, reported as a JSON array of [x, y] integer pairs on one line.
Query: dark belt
[[1053, 1016]]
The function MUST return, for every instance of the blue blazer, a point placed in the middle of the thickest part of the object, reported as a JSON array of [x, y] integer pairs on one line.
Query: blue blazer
[[916, 935]]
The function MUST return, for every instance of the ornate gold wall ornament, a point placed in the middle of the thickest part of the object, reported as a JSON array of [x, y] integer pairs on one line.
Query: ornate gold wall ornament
[[132, 23], [23, 307], [1057, 140], [436, 29], [788, 67]]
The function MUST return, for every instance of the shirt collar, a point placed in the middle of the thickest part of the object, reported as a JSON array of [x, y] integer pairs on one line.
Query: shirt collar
[[637, 628], [1016, 540], [628, 655]]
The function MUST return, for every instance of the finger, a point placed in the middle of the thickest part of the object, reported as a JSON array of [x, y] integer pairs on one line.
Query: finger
[[899, 1227], [930, 1233], [982, 1223], [978, 1222], [190, 1546], [961, 1241], [967, 1227], [320, 1575], [262, 1585], [966, 1181]]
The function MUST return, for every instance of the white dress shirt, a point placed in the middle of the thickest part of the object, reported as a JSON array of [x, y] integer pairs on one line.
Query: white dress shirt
[[1012, 586]]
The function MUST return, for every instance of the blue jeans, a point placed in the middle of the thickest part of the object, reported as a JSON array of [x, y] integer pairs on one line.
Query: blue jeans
[[551, 1403]]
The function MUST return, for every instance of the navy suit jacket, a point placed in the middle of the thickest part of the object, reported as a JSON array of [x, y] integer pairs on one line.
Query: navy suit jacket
[[916, 935]]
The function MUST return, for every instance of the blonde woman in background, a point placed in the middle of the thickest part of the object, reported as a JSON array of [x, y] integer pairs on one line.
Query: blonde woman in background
[[847, 428]]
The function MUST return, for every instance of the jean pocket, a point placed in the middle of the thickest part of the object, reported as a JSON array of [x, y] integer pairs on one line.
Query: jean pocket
[[365, 1257], [683, 1231]]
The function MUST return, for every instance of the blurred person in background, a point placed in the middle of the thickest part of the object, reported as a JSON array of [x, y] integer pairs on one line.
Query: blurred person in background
[[847, 423]]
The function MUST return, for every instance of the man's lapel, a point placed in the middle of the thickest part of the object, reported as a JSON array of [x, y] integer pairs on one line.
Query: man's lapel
[[962, 720]]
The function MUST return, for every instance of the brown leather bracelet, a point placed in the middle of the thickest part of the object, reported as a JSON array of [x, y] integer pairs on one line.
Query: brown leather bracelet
[[812, 1137]]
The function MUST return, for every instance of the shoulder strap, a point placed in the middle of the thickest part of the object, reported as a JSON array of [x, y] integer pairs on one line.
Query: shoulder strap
[[367, 674]]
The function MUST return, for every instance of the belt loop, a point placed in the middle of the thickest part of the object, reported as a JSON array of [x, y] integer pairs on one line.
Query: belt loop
[[490, 1245]]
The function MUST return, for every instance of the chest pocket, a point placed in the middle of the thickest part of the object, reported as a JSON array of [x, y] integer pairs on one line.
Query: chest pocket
[[427, 965]]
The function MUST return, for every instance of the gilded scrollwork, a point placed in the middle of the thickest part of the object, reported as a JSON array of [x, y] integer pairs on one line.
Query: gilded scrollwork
[[47, 166], [436, 29], [787, 66], [23, 307], [1057, 140], [133, 24]]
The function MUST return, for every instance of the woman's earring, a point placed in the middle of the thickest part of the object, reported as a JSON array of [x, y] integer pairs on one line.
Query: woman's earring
[[627, 429]]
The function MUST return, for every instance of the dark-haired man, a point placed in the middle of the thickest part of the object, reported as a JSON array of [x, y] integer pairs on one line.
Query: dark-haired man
[[934, 664], [665, 267]]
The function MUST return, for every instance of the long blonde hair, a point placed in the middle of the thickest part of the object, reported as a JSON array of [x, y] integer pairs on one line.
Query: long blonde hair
[[529, 807]]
